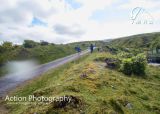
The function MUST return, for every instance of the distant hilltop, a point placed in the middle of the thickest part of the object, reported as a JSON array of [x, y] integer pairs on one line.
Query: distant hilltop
[[107, 40]]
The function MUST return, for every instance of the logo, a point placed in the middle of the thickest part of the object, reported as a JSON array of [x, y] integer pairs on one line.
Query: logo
[[140, 15]]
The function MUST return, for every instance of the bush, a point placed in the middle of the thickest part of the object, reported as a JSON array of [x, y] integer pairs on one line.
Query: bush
[[1, 49], [2, 60], [6, 46], [126, 66], [135, 65], [139, 64], [125, 55]]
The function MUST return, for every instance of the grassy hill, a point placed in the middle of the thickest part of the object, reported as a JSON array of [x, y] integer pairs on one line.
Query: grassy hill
[[148, 40], [94, 89]]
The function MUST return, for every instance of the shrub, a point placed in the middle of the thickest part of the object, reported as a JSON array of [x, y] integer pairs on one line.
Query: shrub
[[139, 64], [22, 53], [125, 55], [6, 46], [2, 60], [134, 65], [1, 49], [126, 66]]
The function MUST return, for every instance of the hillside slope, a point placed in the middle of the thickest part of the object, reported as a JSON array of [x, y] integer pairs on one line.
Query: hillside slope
[[148, 40], [94, 89]]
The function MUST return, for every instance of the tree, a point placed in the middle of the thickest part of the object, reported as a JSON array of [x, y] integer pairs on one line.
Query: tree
[[6, 46], [29, 44], [43, 43]]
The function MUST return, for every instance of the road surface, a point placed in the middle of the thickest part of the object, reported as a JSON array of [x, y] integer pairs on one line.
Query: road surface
[[154, 64], [10, 82]]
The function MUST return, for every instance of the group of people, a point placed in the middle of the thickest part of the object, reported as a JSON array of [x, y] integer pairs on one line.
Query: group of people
[[78, 49]]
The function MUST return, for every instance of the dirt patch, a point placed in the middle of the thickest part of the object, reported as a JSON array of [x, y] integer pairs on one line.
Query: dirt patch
[[3, 108], [111, 63], [76, 105]]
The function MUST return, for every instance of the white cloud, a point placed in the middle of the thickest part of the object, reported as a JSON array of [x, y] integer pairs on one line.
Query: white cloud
[[73, 30], [66, 24], [141, 3]]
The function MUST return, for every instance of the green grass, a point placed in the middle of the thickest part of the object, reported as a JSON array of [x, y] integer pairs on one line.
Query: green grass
[[42, 54], [97, 90], [138, 41]]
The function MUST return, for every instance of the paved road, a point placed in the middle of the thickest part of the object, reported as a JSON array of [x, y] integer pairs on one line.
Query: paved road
[[154, 64], [9, 82]]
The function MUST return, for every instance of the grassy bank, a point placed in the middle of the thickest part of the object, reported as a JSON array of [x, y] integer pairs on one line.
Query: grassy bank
[[94, 89], [41, 53]]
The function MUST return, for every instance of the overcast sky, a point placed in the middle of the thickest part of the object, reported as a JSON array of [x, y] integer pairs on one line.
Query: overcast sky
[[63, 21]]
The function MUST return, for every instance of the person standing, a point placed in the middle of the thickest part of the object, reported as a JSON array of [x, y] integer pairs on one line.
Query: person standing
[[91, 48], [78, 49]]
